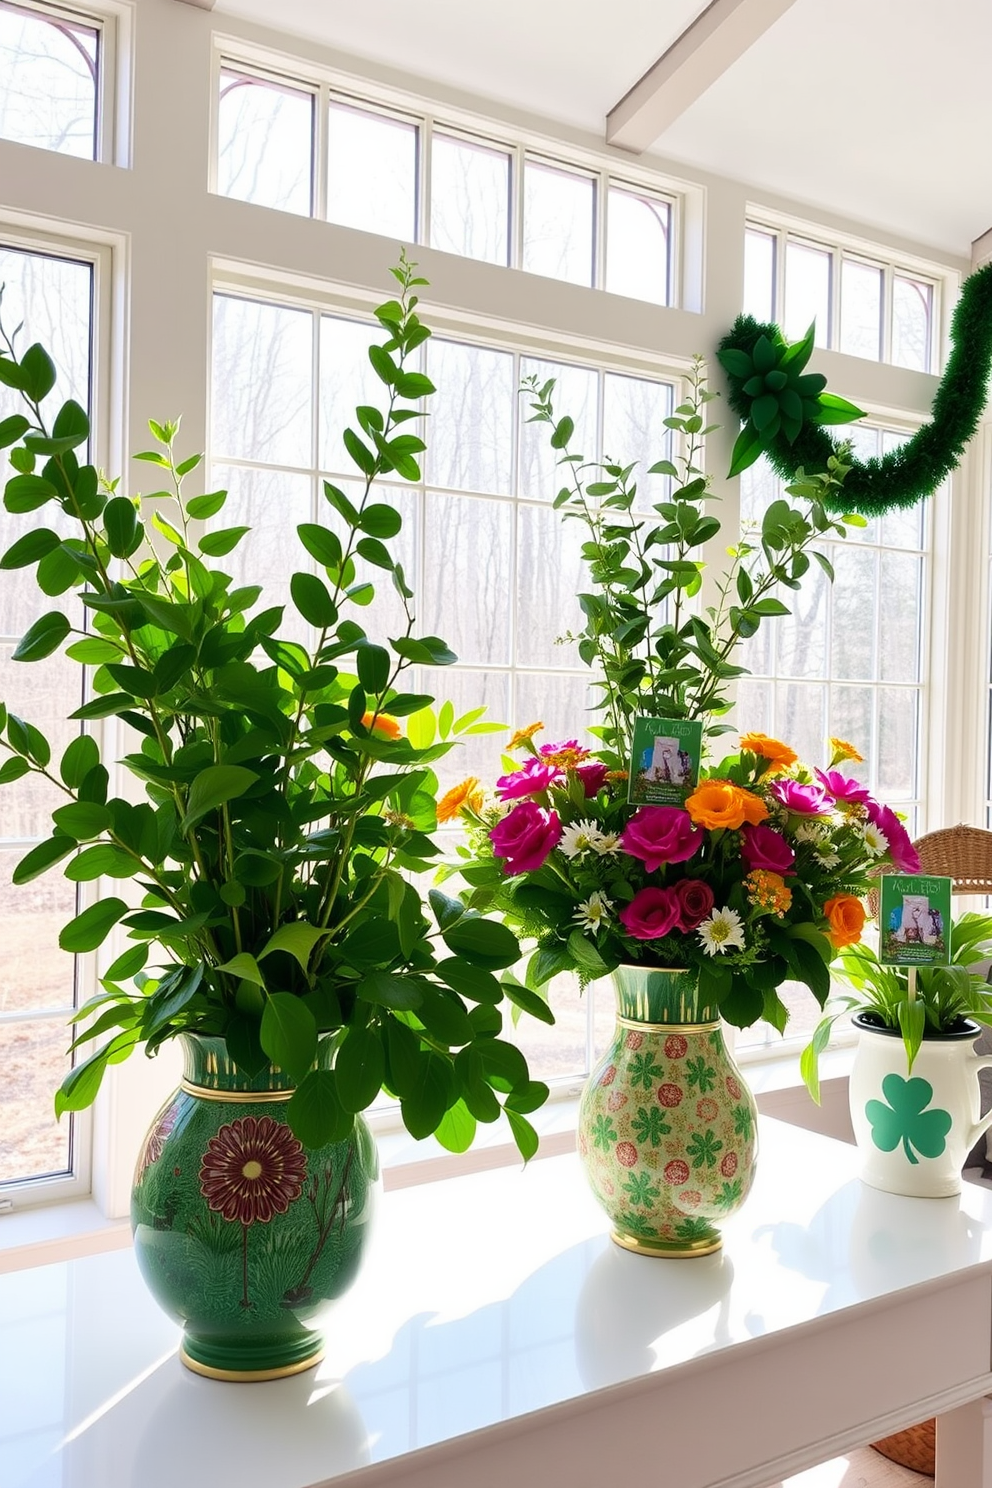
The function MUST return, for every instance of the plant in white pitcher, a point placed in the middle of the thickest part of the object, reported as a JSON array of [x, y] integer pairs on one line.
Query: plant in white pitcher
[[914, 1091]]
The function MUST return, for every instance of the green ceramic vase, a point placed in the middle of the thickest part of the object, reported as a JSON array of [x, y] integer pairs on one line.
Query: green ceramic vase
[[667, 1127], [243, 1234]]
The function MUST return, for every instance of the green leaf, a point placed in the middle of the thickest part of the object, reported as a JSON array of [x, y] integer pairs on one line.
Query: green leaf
[[430, 1096], [524, 1134], [530, 1002], [374, 666], [103, 860], [380, 520], [24, 493], [212, 787], [43, 637], [121, 526], [387, 989], [321, 543], [13, 769], [748, 447], [835, 410], [483, 943], [245, 967], [312, 599], [30, 548], [200, 508], [470, 981], [37, 373], [360, 1066], [289, 1034], [91, 928], [456, 1129], [42, 857], [12, 428], [79, 1088], [297, 939], [82, 820], [81, 756], [315, 1113], [374, 552], [217, 544]]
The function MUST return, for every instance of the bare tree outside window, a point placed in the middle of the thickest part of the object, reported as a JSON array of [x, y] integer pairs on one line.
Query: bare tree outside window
[[50, 71]]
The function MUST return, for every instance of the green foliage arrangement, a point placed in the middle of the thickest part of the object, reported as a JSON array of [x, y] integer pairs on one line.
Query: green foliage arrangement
[[903, 476], [284, 807], [653, 652], [923, 1002]]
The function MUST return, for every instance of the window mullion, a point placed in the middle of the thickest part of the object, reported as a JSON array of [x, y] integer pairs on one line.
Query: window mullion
[[318, 187]]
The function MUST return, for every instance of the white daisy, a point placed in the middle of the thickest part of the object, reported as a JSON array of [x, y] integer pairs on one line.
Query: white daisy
[[808, 831], [722, 930], [592, 912], [578, 838], [826, 857], [875, 840], [607, 843]]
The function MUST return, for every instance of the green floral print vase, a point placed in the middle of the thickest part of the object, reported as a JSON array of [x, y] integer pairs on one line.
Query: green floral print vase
[[242, 1234], [667, 1127]]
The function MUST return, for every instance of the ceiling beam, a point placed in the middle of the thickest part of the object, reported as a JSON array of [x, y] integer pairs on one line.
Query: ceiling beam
[[981, 250], [717, 37]]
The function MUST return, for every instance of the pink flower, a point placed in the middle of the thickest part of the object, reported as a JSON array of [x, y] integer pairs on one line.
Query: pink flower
[[763, 848], [593, 776], [659, 835], [901, 850], [695, 901], [842, 787], [526, 837], [652, 913], [530, 780], [569, 746], [804, 800]]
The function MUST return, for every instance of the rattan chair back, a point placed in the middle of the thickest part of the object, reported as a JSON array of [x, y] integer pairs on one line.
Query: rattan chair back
[[962, 854]]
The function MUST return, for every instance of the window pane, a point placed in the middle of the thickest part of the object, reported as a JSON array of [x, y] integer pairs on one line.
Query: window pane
[[550, 576], [634, 413], [861, 309], [33, 1060], [559, 1052], [902, 528], [51, 300], [855, 596], [262, 382], [637, 229], [465, 689], [465, 600], [560, 700], [901, 579], [372, 173], [346, 381], [912, 315], [49, 68], [898, 742], [800, 712], [272, 503], [470, 439], [851, 719], [807, 292], [759, 275], [558, 223], [265, 143], [575, 395], [43, 693], [802, 636], [37, 973], [470, 199]]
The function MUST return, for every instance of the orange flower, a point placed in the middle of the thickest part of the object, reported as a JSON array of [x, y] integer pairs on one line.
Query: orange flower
[[720, 803], [843, 751], [382, 723], [778, 755], [768, 890], [524, 735], [468, 793], [846, 918]]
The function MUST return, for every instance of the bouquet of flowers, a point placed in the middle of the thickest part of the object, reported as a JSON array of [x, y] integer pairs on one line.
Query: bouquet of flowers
[[755, 879]]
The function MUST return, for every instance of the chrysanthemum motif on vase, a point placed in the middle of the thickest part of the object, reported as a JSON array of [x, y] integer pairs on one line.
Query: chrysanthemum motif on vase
[[667, 1126]]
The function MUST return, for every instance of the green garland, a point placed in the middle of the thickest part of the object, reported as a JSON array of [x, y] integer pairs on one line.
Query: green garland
[[794, 439]]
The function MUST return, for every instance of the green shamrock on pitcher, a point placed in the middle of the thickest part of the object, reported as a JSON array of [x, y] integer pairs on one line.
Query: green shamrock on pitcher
[[905, 1119]]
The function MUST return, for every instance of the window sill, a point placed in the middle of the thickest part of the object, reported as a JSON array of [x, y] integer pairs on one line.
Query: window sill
[[63, 1231]]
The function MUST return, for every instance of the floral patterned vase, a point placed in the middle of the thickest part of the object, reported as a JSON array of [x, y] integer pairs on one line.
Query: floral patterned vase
[[667, 1127], [243, 1234]]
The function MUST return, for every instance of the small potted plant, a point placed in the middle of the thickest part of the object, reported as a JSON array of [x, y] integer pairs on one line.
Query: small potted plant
[[914, 1091], [262, 870]]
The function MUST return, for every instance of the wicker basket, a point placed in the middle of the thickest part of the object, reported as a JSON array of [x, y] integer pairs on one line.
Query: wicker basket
[[915, 1448], [963, 854]]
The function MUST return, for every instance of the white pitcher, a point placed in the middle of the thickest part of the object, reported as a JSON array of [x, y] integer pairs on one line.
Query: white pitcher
[[915, 1129]]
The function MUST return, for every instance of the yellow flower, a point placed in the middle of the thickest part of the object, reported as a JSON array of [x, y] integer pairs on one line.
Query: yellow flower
[[843, 751], [382, 723], [846, 920], [524, 735], [720, 803], [565, 759], [768, 890], [468, 793], [778, 755]]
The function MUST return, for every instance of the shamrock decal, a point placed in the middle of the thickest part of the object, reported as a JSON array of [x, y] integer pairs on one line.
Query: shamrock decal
[[905, 1119]]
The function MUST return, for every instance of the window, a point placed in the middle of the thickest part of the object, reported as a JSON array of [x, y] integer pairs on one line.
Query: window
[[849, 660], [495, 569], [50, 64], [54, 297], [866, 307], [414, 177]]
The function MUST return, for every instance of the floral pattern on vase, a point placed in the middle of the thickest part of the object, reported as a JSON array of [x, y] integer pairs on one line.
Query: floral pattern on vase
[[243, 1234], [667, 1127]]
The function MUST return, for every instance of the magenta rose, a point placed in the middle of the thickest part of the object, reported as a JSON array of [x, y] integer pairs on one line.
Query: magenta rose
[[652, 913], [804, 800], [659, 835], [526, 836], [593, 776], [695, 901], [901, 850], [761, 847], [842, 787], [530, 780]]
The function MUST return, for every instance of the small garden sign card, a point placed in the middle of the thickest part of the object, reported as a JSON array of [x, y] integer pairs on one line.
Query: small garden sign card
[[915, 920], [664, 764]]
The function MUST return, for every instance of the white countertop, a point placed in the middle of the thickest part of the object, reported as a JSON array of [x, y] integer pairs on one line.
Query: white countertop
[[483, 1299]]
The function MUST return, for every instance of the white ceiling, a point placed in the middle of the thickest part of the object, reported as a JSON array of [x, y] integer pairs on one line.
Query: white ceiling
[[879, 110]]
